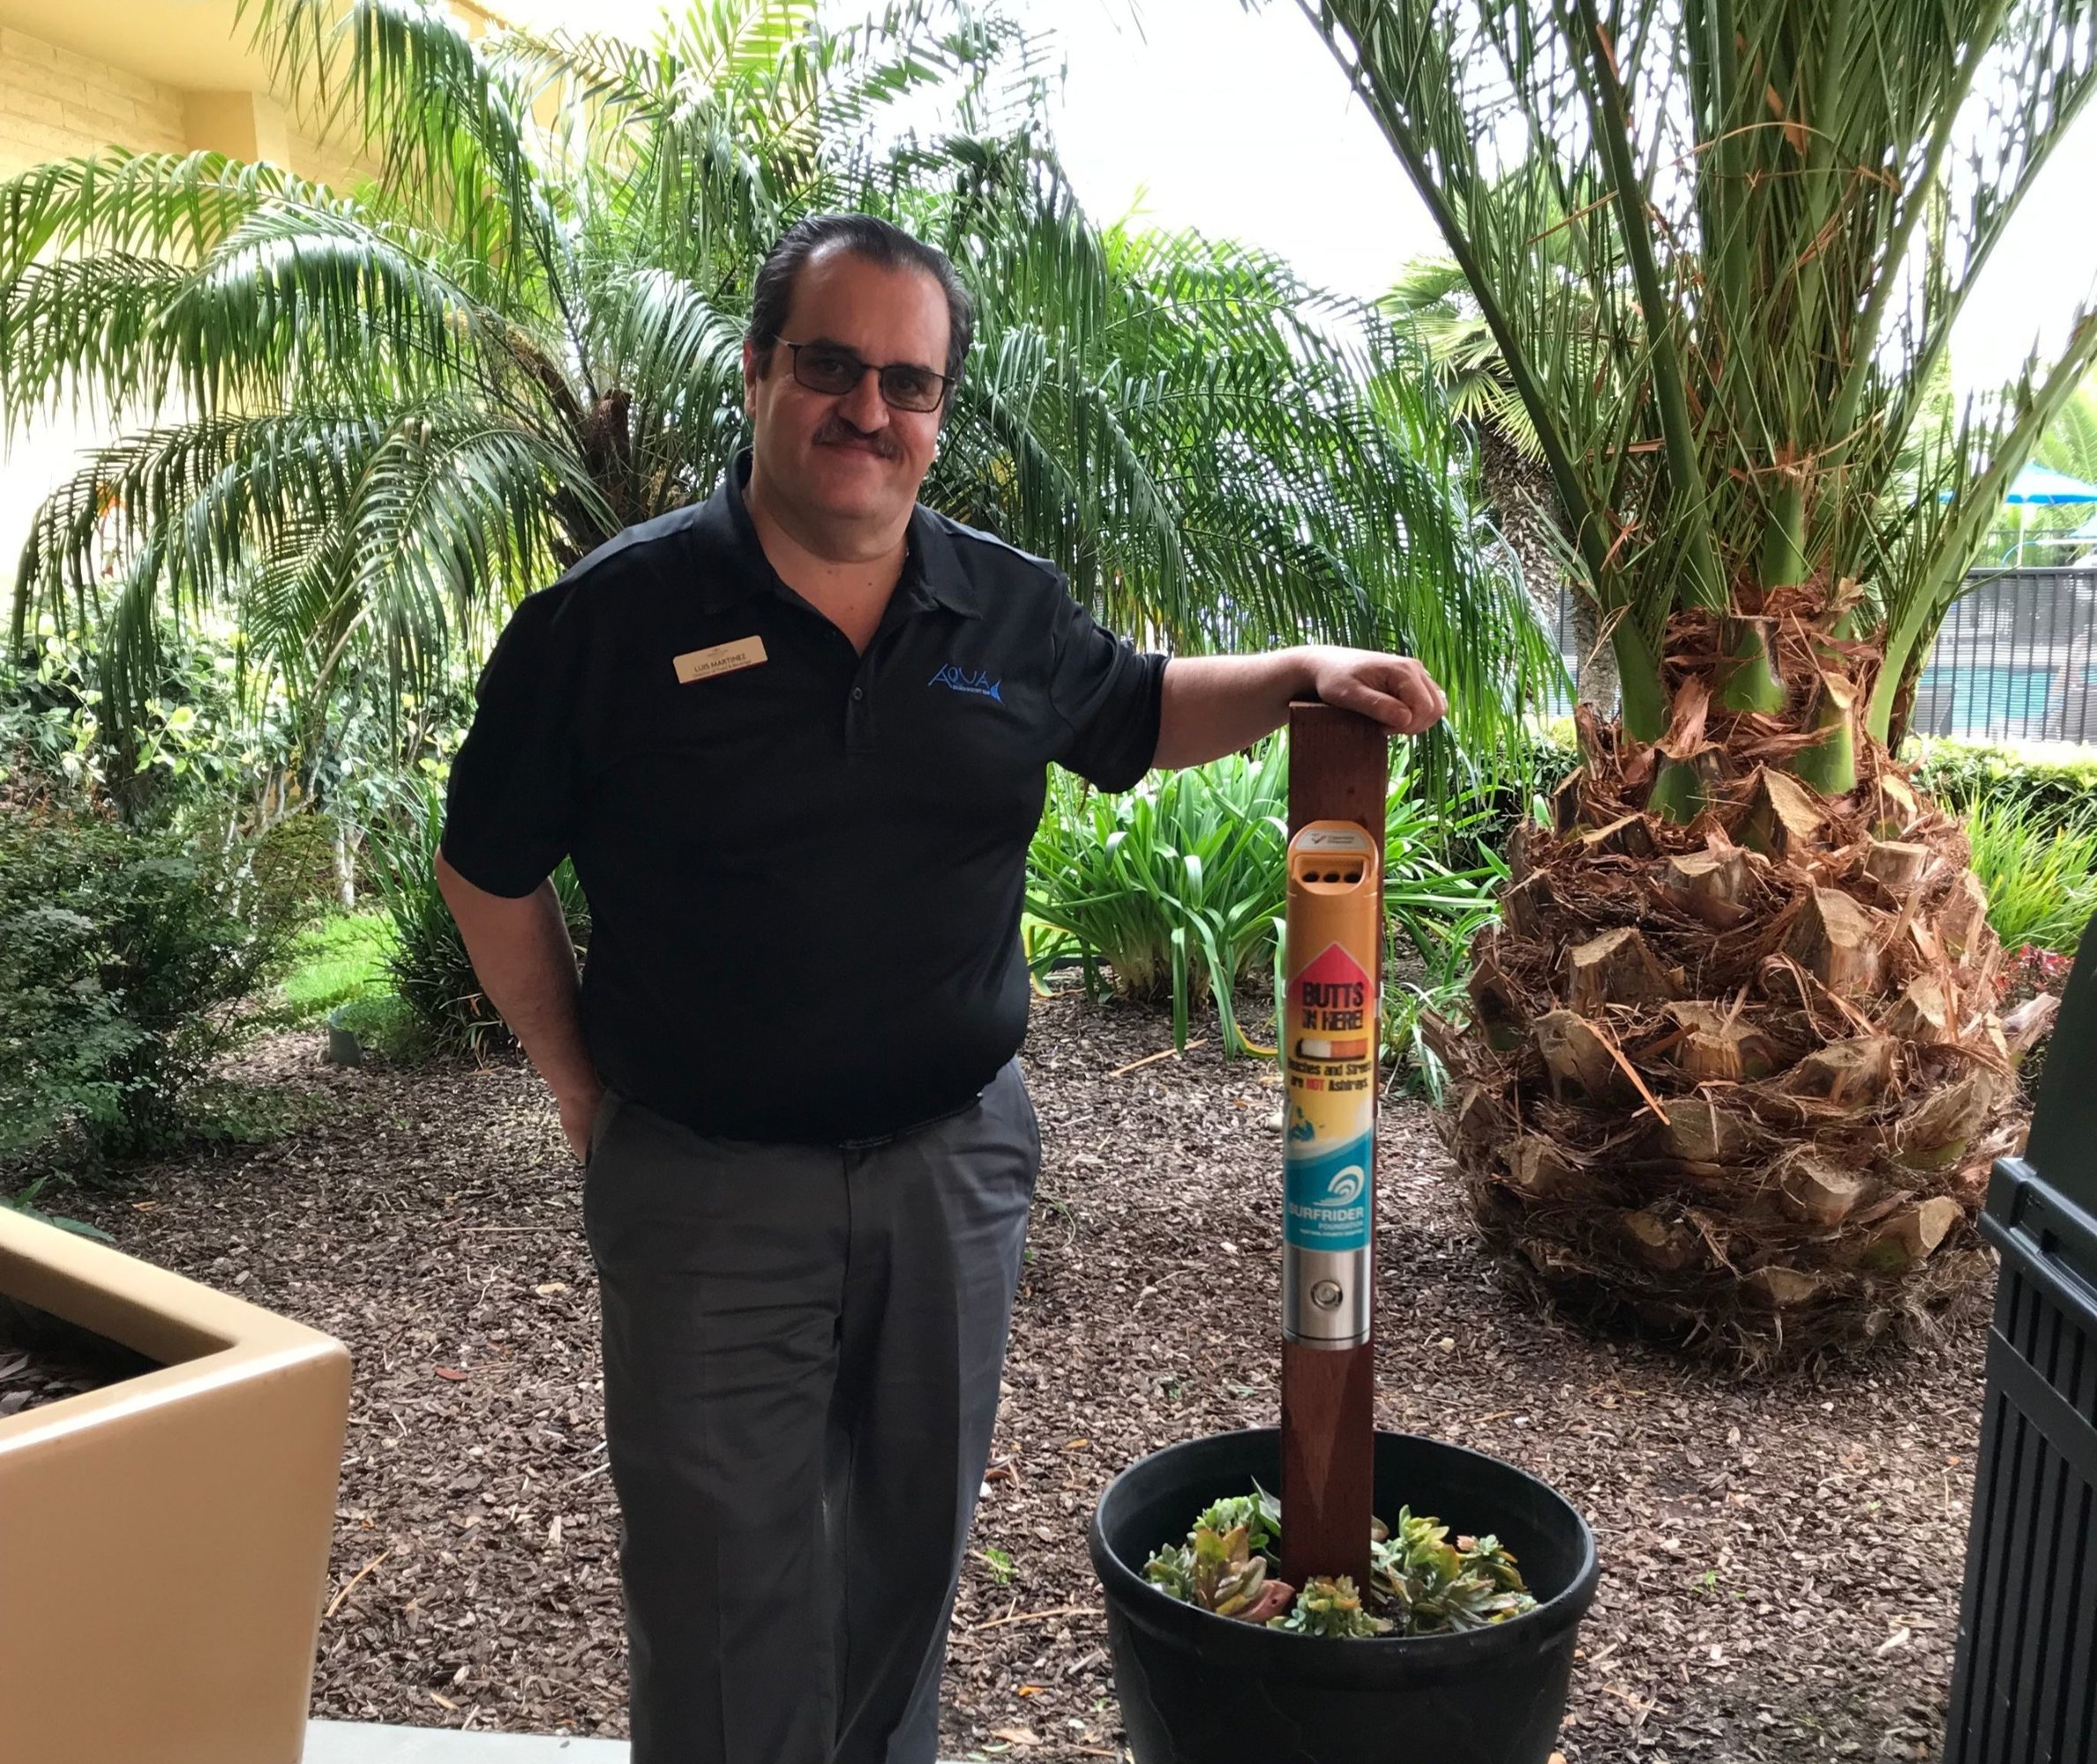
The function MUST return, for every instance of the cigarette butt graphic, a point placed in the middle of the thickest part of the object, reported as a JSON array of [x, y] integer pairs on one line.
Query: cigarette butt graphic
[[1316, 1047]]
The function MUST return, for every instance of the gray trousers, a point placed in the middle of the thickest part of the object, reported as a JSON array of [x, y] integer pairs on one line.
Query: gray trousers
[[802, 1350]]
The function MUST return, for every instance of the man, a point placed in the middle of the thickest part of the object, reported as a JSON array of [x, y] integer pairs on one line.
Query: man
[[795, 739]]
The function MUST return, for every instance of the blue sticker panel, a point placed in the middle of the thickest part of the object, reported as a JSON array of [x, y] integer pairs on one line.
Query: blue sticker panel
[[1327, 1194]]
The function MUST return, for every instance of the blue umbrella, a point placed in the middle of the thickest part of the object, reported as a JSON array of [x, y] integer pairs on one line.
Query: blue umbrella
[[2041, 486], [2038, 484]]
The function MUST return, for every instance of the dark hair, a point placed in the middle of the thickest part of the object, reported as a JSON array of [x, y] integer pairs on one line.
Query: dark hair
[[863, 236]]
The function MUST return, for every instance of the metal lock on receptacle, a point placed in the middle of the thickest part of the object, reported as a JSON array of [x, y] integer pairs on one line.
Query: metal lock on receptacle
[[1330, 1035]]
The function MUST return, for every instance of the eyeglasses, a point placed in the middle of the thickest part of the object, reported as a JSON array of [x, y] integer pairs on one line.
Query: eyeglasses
[[834, 370]]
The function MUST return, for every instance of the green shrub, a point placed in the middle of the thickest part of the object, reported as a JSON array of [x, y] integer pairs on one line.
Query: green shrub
[[126, 961], [429, 964], [1441, 988], [1178, 886], [1496, 791], [2041, 874], [214, 738], [1175, 884], [66, 1046], [2058, 792]]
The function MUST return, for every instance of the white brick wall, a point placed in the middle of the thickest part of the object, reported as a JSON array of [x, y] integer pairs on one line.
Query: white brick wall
[[55, 104], [324, 162]]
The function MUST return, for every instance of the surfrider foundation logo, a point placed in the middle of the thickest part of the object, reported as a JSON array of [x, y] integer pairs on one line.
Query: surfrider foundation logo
[[1346, 1186], [956, 678]]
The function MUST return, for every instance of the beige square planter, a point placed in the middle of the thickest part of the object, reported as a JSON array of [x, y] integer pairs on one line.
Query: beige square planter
[[164, 1540]]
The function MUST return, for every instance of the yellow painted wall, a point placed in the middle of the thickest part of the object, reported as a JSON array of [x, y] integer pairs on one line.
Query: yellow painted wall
[[56, 103]]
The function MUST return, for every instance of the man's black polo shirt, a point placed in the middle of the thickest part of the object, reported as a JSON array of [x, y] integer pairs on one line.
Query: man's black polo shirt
[[805, 873]]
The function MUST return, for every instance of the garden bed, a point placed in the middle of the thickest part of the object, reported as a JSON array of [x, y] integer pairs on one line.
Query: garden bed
[[45, 1359], [1780, 1561]]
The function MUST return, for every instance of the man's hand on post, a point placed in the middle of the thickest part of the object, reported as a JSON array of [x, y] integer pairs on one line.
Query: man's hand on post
[[1392, 690]]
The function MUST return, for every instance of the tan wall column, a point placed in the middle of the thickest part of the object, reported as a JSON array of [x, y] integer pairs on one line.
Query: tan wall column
[[244, 126]]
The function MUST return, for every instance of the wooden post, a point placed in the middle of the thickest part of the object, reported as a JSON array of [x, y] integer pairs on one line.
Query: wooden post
[[1339, 769]]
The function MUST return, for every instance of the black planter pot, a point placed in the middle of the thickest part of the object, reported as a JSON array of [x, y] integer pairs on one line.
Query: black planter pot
[[1199, 1689]]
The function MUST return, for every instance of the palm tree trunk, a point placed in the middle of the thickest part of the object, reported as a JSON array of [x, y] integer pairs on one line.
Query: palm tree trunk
[[1520, 491], [345, 866]]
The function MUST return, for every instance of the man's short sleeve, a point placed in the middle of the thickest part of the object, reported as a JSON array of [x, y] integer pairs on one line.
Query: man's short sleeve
[[509, 812], [1109, 694]]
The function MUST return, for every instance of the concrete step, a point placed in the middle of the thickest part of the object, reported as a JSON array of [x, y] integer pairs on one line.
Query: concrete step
[[366, 1741], [370, 1742]]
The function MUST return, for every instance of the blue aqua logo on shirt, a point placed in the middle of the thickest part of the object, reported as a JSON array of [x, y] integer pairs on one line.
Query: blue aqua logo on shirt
[[956, 678]]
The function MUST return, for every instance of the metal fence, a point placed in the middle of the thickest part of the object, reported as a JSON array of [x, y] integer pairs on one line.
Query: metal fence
[[2015, 659]]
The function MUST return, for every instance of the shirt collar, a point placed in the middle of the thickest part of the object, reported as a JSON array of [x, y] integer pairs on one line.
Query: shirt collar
[[931, 573]]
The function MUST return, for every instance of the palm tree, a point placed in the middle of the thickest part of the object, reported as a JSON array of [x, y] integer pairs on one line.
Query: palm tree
[[1734, 1065], [364, 420], [2069, 444], [2069, 441], [1432, 295]]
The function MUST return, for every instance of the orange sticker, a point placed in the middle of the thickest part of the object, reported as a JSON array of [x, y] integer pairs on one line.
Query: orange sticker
[[723, 658]]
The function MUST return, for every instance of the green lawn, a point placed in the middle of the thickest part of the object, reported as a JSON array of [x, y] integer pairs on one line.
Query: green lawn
[[339, 959]]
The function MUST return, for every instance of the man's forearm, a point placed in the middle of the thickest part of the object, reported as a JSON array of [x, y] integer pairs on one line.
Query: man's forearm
[[1215, 704], [521, 953]]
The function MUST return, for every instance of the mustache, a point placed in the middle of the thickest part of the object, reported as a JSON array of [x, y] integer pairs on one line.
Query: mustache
[[835, 429]]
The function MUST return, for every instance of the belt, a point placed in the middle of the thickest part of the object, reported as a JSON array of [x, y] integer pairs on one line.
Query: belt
[[872, 1139], [864, 1142]]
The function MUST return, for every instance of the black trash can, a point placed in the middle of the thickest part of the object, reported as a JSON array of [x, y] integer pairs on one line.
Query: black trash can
[[1196, 1688], [2023, 1684]]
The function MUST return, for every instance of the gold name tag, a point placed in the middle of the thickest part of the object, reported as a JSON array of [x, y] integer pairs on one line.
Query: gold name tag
[[723, 658]]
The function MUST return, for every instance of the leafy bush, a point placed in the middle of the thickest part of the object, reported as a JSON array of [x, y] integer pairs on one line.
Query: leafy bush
[[1443, 989], [429, 964], [2057, 791], [1179, 877], [126, 959], [65, 1044], [1497, 791], [217, 749], [2041, 874], [1178, 886], [207, 733]]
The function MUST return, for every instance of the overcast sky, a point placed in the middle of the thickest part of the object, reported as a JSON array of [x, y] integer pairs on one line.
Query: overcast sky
[[1196, 114]]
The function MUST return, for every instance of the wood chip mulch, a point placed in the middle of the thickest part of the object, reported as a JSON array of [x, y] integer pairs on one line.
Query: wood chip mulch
[[1781, 1558]]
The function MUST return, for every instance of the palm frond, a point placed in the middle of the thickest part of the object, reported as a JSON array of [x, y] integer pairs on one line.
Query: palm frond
[[1719, 249]]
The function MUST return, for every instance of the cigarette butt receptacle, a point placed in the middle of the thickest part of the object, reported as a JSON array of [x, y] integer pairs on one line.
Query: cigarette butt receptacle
[[1330, 1028]]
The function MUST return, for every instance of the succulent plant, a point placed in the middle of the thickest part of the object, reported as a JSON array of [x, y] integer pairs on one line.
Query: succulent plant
[[1218, 1571], [1331, 1605], [1420, 1583], [1430, 1585], [1259, 1511]]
